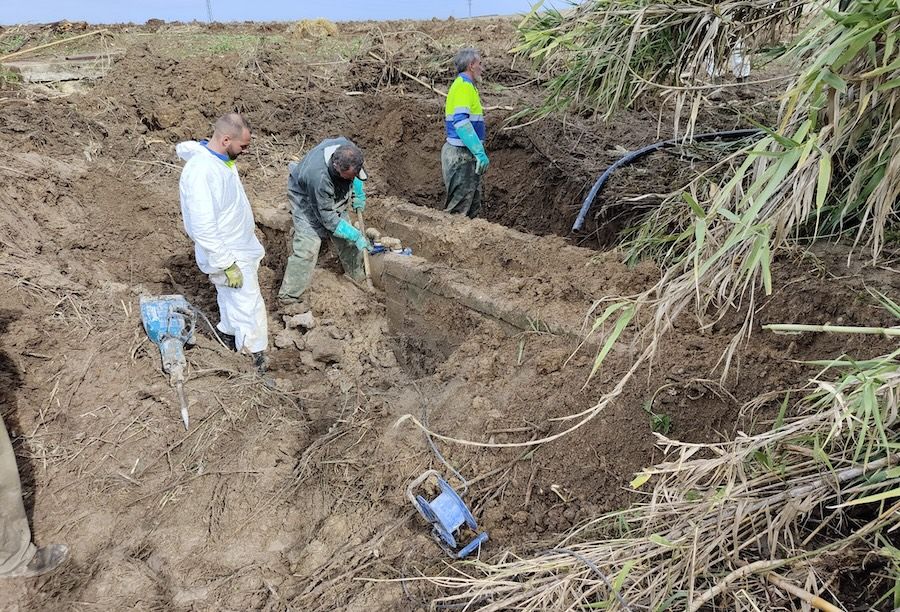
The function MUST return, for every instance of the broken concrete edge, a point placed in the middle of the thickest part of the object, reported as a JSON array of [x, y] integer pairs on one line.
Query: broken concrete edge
[[61, 69], [273, 217], [400, 218], [451, 285]]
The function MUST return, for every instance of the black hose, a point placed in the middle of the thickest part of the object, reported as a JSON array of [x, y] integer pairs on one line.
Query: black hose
[[212, 327], [633, 155]]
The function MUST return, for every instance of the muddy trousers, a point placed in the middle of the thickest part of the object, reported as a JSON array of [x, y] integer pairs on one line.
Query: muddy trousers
[[16, 549], [463, 184], [305, 252]]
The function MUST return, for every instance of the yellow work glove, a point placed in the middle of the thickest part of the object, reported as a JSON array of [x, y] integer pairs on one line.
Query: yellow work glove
[[233, 277]]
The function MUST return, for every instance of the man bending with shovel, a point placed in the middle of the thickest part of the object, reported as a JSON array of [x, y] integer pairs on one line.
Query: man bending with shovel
[[321, 188]]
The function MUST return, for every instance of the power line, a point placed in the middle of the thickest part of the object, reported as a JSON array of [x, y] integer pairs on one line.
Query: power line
[[209, 10]]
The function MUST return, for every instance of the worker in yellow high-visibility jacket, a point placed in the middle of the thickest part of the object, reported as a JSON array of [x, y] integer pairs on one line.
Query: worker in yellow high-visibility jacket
[[463, 159]]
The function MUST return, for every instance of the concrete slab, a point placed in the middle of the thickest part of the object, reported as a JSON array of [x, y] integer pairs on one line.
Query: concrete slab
[[53, 70]]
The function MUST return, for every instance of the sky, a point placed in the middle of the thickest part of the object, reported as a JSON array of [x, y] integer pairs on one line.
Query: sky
[[139, 11]]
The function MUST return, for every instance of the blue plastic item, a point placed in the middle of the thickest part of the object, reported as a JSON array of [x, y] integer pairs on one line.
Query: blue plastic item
[[169, 322], [378, 248], [167, 316], [447, 513]]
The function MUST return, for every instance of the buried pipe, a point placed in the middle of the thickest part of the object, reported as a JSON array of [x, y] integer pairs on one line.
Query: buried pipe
[[633, 155]]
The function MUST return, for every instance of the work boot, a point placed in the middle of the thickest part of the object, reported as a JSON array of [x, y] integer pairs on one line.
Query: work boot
[[261, 362], [46, 559], [229, 341]]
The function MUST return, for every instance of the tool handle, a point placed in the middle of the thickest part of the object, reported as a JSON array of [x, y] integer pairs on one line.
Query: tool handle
[[471, 546], [368, 269]]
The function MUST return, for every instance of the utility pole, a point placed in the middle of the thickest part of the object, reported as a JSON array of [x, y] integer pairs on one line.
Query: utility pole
[[470, 8], [209, 10]]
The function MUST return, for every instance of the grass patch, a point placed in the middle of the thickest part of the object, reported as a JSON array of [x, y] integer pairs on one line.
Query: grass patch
[[8, 77], [12, 43]]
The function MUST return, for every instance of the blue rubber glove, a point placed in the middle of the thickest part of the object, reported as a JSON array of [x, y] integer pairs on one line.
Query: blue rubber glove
[[466, 132], [359, 196], [362, 243], [351, 234]]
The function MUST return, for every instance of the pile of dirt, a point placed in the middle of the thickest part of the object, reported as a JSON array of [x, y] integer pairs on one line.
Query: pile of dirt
[[285, 495]]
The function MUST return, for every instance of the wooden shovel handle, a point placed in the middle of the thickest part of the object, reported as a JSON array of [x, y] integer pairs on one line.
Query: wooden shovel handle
[[368, 269]]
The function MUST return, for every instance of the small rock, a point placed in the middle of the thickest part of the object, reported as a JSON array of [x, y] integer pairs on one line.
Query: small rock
[[387, 359], [305, 320], [294, 309], [391, 243], [481, 405], [324, 348], [113, 287], [334, 376], [327, 352], [288, 338], [284, 385], [337, 334], [307, 359], [214, 81]]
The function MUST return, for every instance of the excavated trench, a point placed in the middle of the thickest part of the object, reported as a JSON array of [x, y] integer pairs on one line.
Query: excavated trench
[[534, 184], [462, 273]]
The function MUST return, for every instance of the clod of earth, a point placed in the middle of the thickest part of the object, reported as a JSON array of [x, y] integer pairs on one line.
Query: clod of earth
[[305, 320], [325, 347], [289, 337]]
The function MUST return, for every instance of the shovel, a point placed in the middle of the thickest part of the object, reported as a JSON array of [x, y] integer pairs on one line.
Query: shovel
[[362, 228]]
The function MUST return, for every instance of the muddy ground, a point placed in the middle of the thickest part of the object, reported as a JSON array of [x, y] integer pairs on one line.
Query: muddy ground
[[292, 497]]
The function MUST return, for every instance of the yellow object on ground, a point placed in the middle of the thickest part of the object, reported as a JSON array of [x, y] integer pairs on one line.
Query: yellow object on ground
[[314, 28]]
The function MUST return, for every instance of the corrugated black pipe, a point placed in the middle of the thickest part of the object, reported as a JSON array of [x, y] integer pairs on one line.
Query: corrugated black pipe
[[630, 157]]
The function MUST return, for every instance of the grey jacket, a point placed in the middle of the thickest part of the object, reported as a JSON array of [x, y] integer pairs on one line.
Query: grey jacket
[[315, 191]]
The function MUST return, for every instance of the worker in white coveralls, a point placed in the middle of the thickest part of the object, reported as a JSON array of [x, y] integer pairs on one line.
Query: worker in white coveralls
[[321, 189], [218, 218], [19, 558], [463, 159]]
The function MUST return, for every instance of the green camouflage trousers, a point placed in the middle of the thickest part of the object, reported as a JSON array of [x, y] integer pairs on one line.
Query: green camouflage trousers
[[462, 183], [305, 252]]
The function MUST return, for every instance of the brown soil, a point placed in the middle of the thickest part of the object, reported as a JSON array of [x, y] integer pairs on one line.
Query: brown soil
[[294, 496]]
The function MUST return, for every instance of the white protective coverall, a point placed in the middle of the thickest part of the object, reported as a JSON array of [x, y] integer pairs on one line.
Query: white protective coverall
[[218, 218]]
